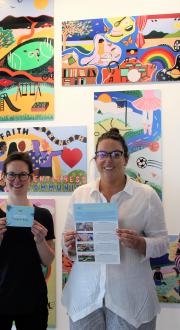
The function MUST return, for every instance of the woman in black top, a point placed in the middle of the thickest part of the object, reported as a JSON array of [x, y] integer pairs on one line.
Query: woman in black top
[[23, 291]]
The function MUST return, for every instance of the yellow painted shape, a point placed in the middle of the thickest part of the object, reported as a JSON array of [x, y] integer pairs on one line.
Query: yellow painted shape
[[26, 102], [56, 167], [88, 47], [40, 4]]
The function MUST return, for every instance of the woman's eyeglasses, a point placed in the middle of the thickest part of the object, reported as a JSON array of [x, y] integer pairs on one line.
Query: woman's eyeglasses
[[23, 176], [115, 154]]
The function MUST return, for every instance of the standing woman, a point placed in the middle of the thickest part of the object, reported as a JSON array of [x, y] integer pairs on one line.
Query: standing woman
[[120, 296], [23, 291]]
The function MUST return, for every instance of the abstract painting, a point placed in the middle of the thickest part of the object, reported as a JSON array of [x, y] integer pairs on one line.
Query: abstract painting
[[124, 49], [137, 115], [26, 60], [166, 275], [58, 155]]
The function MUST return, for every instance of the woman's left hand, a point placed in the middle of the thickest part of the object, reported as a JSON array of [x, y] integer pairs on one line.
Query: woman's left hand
[[130, 238], [39, 232]]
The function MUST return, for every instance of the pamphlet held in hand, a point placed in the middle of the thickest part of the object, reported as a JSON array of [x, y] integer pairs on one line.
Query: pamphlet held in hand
[[96, 240], [19, 216]]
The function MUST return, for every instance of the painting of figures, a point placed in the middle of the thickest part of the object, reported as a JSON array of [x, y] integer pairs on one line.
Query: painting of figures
[[26, 60], [165, 273], [58, 155], [124, 49], [137, 115]]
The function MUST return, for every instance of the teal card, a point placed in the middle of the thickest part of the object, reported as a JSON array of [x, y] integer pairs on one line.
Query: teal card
[[19, 216]]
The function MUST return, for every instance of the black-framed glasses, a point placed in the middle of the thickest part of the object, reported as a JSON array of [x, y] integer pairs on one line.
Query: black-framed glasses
[[115, 154], [23, 176]]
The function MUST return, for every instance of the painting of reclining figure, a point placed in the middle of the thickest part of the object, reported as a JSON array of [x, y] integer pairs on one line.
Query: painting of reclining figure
[[125, 49]]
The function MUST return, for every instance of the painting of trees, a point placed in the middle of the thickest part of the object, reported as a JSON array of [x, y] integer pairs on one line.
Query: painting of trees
[[6, 38], [71, 28]]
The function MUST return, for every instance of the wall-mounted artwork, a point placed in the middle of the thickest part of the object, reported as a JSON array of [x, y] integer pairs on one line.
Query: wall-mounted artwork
[[137, 115], [124, 49], [166, 275], [49, 272], [26, 60], [66, 268], [58, 155]]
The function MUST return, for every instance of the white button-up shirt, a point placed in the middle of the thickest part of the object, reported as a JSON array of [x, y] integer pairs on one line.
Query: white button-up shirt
[[127, 288]]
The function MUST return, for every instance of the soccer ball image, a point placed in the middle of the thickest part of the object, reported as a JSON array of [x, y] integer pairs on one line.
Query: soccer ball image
[[141, 162]]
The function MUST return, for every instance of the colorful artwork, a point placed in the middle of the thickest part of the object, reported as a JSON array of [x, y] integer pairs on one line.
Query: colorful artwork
[[26, 60], [166, 275], [49, 272], [58, 155], [137, 115], [66, 268], [123, 49]]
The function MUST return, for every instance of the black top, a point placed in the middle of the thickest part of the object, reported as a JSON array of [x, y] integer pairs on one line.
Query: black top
[[22, 284]]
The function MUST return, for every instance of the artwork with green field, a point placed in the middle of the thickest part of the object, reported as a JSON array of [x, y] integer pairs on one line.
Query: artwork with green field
[[27, 61], [137, 115]]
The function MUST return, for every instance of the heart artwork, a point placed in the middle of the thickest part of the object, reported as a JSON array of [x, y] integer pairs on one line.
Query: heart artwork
[[71, 157]]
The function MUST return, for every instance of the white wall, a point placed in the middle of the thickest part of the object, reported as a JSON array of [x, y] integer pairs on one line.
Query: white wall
[[74, 106]]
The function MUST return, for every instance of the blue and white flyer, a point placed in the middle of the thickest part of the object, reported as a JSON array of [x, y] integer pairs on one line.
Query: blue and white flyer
[[19, 216], [96, 239]]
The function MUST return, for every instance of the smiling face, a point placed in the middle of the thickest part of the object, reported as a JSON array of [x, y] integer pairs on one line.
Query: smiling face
[[111, 169], [17, 187]]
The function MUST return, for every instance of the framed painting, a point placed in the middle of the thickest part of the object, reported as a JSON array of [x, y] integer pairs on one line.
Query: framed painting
[[58, 156], [26, 60], [137, 115], [123, 49]]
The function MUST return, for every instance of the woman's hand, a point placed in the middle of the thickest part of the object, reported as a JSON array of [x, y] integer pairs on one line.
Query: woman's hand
[[131, 239], [39, 232], [2, 228], [70, 239]]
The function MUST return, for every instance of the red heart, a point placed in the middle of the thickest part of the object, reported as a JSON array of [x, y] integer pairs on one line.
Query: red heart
[[71, 157]]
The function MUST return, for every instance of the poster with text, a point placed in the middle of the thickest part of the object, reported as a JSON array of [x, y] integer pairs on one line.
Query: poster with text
[[123, 49], [166, 275], [58, 155], [49, 272], [137, 115], [26, 60]]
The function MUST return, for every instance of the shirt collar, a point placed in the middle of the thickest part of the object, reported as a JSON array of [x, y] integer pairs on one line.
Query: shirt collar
[[95, 186], [127, 189]]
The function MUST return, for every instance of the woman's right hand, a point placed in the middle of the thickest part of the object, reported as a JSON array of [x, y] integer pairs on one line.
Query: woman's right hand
[[70, 239], [2, 228]]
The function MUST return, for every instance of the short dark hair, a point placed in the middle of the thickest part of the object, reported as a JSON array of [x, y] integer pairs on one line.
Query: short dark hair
[[22, 156], [114, 134]]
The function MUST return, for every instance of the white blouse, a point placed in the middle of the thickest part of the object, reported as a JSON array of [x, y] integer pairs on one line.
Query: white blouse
[[127, 288]]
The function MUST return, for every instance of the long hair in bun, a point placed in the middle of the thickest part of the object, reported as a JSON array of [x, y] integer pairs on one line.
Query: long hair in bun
[[114, 134]]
